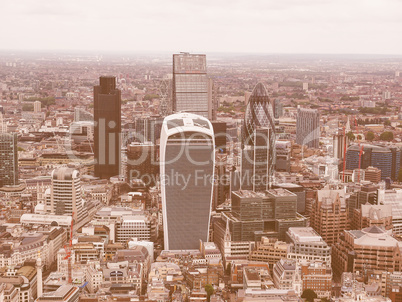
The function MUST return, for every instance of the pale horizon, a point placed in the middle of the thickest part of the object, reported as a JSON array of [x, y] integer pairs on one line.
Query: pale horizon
[[240, 27]]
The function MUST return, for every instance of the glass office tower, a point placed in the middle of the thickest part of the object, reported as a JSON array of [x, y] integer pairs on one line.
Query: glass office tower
[[191, 86], [259, 115], [187, 172]]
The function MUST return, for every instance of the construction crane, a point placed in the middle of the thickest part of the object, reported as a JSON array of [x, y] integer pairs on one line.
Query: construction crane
[[68, 251]]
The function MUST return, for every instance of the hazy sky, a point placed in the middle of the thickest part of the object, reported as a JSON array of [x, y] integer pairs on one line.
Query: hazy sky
[[263, 26]]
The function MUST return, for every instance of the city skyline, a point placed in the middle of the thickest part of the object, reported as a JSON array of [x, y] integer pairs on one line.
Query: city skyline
[[366, 27]]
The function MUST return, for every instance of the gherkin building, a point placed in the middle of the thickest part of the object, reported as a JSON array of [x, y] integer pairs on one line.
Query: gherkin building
[[259, 114]]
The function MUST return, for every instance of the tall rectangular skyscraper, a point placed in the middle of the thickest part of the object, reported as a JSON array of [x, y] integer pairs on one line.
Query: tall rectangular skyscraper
[[8, 159], [255, 162], [187, 172], [308, 127], [192, 90], [107, 118]]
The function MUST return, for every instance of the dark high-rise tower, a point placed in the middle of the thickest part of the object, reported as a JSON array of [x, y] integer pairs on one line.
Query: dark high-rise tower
[[8, 159], [107, 118]]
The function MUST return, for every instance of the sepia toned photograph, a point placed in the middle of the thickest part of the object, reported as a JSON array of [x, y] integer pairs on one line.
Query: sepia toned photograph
[[201, 151]]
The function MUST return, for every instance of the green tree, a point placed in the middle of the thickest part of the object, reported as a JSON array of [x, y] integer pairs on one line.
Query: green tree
[[210, 290], [27, 107], [370, 136], [350, 136], [387, 136], [387, 123], [309, 295], [359, 137]]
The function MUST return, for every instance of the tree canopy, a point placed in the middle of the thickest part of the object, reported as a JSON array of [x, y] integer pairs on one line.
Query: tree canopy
[[370, 136], [309, 295], [350, 136], [387, 136], [210, 290]]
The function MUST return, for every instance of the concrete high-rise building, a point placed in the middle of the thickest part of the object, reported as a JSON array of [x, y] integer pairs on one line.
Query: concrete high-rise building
[[372, 248], [259, 114], [187, 161], [329, 215], [278, 108], [192, 90], [107, 118], [66, 196], [37, 106], [308, 127], [8, 159]]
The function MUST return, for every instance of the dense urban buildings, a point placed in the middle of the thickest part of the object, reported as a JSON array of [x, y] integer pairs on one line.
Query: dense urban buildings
[[177, 212], [187, 171]]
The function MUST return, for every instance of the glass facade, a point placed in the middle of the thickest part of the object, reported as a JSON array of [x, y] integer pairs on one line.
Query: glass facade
[[187, 177], [259, 114], [107, 130], [8, 159], [190, 84], [383, 158]]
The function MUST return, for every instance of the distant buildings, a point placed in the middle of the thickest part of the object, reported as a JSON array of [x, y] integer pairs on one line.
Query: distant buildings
[[191, 86], [308, 127], [187, 172], [37, 106], [8, 159], [107, 118], [384, 158]]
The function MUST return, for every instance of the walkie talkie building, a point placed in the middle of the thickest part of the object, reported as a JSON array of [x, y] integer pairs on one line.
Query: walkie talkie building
[[187, 172]]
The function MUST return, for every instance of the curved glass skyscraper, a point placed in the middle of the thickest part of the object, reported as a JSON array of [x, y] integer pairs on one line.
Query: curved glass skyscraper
[[258, 139], [187, 172]]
